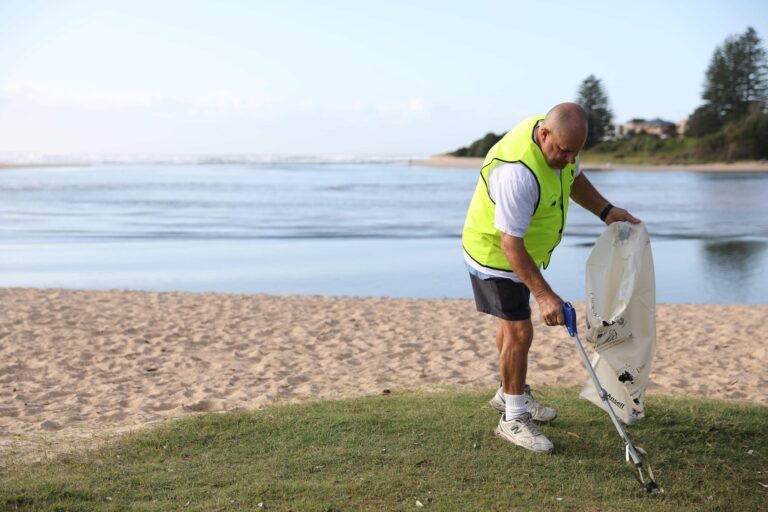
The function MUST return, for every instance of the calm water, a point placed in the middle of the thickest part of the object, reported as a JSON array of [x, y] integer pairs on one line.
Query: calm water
[[348, 229]]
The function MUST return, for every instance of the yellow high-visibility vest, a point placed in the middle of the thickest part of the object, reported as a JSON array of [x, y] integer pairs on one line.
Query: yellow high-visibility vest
[[481, 240]]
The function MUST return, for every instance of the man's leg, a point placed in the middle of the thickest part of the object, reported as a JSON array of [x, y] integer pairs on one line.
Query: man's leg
[[516, 425], [519, 366], [516, 337]]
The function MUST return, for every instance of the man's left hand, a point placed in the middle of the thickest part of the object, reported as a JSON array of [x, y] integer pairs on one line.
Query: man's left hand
[[620, 214]]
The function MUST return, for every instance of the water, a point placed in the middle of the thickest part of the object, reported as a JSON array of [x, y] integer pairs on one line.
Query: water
[[381, 229]]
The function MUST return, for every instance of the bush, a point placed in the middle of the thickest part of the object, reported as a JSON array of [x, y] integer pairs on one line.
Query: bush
[[710, 147], [741, 140], [480, 147], [703, 121], [634, 144]]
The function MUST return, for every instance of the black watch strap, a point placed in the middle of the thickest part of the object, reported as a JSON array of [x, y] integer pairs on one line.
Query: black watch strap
[[606, 210]]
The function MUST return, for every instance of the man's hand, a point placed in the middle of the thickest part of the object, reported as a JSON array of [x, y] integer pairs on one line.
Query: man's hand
[[617, 214], [551, 308]]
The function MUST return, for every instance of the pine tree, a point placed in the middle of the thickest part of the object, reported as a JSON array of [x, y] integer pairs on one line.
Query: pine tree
[[736, 82], [593, 99]]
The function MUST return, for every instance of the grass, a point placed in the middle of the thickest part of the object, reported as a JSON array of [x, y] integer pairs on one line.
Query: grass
[[387, 452], [643, 149]]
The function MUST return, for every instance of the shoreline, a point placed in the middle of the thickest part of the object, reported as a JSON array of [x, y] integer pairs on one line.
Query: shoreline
[[6, 166], [453, 162], [80, 366]]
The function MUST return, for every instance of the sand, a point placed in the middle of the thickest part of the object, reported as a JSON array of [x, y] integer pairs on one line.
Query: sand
[[442, 161], [82, 365]]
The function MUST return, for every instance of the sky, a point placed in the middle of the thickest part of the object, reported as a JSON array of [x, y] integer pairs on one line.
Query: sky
[[190, 77]]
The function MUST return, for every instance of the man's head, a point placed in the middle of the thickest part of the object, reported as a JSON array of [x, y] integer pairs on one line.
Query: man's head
[[562, 134]]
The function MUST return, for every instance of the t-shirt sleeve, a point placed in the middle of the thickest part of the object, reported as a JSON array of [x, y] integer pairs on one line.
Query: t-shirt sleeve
[[515, 191]]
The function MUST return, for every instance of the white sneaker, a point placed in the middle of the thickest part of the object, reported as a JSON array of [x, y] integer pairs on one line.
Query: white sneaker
[[522, 432], [498, 402], [538, 411]]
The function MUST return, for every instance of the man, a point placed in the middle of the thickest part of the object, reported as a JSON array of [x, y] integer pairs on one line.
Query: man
[[515, 221]]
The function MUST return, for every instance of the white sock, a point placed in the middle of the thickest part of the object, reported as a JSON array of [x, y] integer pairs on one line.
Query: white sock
[[515, 406]]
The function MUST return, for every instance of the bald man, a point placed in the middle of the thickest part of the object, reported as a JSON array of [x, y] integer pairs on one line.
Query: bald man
[[515, 221]]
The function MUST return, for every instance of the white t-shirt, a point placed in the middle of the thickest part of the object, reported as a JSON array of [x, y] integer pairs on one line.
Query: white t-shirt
[[515, 191]]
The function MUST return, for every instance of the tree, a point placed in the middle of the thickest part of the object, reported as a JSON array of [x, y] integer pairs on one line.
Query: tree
[[736, 77], [703, 121], [593, 99], [480, 147]]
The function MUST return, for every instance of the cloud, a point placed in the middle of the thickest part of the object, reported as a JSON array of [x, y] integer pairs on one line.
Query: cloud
[[106, 100], [221, 101], [414, 109]]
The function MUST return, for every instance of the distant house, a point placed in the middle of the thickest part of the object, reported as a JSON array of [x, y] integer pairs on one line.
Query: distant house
[[659, 127]]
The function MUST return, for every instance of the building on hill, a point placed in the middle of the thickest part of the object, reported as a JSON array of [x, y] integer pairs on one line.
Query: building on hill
[[659, 127]]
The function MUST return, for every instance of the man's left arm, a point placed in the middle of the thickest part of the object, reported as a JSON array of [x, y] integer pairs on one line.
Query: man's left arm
[[586, 195]]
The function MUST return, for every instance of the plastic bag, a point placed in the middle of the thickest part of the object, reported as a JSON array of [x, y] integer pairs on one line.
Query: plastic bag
[[621, 318]]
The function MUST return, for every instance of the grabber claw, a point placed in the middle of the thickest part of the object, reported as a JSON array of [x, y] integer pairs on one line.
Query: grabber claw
[[645, 477]]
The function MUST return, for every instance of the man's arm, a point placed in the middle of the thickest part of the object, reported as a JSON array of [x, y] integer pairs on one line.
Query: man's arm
[[550, 304], [585, 194]]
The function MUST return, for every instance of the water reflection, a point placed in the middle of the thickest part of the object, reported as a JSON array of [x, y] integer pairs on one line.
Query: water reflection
[[734, 265], [733, 255]]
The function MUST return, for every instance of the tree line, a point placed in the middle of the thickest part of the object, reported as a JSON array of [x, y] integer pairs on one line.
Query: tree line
[[730, 124]]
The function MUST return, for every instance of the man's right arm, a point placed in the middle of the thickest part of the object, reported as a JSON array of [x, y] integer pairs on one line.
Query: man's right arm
[[550, 304]]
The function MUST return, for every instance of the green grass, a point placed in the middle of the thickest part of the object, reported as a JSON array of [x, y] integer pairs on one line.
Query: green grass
[[386, 452], [643, 149]]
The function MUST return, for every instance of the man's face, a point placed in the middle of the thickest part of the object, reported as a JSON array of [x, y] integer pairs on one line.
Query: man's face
[[559, 150]]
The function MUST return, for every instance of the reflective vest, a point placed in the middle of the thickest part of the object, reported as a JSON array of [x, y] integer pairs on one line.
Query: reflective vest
[[481, 240]]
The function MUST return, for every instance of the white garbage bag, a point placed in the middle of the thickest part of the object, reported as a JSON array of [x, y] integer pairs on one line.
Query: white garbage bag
[[621, 318]]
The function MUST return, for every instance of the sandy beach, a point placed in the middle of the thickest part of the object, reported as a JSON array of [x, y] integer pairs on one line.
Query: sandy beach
[[83, 364], [441, 161]]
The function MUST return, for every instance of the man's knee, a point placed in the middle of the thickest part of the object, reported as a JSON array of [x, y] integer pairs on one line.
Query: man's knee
[[516, 334]]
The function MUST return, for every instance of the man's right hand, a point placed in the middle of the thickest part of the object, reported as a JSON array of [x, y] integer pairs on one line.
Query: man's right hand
[[551, 308]]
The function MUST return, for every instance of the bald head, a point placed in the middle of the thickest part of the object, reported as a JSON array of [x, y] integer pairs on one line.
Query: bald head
[[562, 134], [567, 120]]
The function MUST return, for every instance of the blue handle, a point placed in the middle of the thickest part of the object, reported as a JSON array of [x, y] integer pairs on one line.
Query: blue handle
[[570, 318]]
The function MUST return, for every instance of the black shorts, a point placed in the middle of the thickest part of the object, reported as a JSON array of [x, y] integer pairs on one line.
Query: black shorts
[[501, 297]]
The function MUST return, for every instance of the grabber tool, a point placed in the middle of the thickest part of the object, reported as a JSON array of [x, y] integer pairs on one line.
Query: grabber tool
[[632, 454]]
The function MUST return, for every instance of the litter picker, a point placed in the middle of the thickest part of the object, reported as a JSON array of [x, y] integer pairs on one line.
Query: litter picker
[[632, 454]]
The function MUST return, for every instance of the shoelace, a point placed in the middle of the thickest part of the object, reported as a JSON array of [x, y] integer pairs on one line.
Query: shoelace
[[527, 420], [527, 391], [534, 405]]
